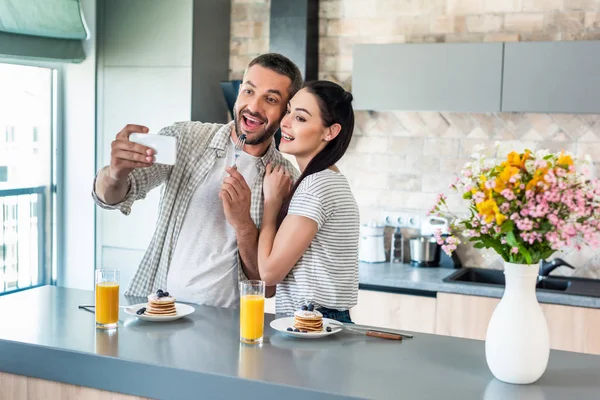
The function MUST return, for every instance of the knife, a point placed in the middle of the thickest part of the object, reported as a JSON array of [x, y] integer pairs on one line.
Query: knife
[[377, 334], [366, 328]]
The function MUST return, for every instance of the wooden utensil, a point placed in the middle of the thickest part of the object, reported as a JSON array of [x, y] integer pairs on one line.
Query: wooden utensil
[[383, 335]]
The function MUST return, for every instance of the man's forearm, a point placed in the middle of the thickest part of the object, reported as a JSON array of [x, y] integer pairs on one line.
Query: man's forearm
[[109, 190], [247, 239], [248, 248]]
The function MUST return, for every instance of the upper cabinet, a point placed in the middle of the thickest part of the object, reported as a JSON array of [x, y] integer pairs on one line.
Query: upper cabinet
[[543, 77], [463, 77], [552, 77]]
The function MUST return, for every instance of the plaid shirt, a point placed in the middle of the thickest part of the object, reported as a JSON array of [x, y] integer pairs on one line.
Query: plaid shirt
[[198, 147]]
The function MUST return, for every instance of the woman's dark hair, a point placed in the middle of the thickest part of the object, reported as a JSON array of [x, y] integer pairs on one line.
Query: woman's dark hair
[[335, 105]]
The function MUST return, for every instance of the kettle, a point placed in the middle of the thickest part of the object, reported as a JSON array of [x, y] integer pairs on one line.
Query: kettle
[[424, 249], [371, 246]]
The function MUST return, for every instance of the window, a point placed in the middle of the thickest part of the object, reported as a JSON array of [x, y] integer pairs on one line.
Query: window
[[28, 105]]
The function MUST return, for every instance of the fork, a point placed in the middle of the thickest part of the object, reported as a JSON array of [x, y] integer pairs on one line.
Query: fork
[[239, 146]]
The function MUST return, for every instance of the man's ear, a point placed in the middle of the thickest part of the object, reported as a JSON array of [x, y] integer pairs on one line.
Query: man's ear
[[332, 132]]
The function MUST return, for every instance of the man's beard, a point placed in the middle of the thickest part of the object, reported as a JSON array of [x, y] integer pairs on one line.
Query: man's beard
[[268, 132]]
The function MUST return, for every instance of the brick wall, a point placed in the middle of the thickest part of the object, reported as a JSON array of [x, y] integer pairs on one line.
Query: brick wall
[[401, 160]]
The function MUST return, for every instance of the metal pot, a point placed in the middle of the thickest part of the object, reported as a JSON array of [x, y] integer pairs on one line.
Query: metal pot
[[424, 251]]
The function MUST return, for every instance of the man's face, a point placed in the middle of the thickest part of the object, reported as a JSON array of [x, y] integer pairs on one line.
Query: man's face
[[261, 103]]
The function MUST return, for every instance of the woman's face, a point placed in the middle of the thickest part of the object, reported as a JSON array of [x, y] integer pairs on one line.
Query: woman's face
[[302, 129]]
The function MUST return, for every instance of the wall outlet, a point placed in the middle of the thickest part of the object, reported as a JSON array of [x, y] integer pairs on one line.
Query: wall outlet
[[402, 219]]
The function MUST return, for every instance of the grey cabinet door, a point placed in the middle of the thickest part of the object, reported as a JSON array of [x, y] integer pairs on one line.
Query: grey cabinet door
[[559, 77], [427, 77]]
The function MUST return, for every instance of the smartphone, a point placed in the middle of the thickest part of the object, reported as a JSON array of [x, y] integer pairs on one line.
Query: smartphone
[[164, 146]]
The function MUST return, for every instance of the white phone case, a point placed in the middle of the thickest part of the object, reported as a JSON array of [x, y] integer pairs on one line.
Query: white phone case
[[164, 146]]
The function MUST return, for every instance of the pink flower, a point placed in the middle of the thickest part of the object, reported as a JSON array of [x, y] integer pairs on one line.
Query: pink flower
[[508, 194], [525, 224], [438, 236], [514, 250], [490, 184], [478, 197]]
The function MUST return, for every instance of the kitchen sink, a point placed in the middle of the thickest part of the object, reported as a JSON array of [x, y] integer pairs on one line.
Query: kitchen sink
[[559, 285], [478, 275], [490, 277]]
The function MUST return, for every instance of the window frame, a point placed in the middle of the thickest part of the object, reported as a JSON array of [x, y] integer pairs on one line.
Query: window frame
[[55, 199]]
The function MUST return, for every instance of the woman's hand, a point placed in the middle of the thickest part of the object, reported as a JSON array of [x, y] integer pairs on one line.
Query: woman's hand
[[277, 184]]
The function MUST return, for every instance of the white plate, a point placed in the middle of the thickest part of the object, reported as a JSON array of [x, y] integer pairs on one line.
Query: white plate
[[182, 311], [281, 325]]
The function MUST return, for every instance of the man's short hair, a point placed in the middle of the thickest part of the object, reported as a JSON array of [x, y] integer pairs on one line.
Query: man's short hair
[[282, 65]]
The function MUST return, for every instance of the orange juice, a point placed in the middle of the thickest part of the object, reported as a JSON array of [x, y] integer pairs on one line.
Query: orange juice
[[107, 303], [252, 317]]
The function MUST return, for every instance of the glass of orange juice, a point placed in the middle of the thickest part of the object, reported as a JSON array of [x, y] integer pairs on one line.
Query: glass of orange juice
[[107, 298], [252, 311]]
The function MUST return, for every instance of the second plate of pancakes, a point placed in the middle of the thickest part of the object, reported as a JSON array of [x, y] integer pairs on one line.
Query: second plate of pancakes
[[281, 325]]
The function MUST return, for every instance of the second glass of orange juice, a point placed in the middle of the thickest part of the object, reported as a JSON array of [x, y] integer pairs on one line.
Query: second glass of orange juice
[[107, 298], [252, 311]]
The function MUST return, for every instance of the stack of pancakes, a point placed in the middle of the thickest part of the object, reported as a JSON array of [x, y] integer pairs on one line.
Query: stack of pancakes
[[309, 321], [161, 306]]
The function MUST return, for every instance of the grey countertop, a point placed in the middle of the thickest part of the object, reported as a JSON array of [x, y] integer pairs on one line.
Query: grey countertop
[[44, 335], [406, 278]]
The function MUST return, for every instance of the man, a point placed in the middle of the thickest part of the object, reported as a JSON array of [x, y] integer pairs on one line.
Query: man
[[206, 235]]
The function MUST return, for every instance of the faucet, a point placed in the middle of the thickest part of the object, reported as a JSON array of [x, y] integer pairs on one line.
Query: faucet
[[548, 266]]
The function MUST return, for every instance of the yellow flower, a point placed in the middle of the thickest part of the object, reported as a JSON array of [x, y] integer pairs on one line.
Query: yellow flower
[[538, 176], [564, 159], [503, 178], [500, 218], [525, 157], [488, 209], [514, 159]]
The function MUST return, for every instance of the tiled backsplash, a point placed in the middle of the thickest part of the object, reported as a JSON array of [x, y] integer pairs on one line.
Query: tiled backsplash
[[402, 160]]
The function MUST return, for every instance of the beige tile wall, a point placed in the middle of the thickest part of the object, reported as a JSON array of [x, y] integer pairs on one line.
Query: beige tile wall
[[401, 160]]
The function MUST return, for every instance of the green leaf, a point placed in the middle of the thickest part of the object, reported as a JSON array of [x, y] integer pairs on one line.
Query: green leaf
[[525, 252], [545, 226], [513, 242], [511, 239], [535, 255], [507, 226], [479, 245], [547, 253], [495, 244]]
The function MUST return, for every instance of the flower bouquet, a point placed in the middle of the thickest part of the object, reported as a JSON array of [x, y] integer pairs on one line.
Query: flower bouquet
[[525, 207]]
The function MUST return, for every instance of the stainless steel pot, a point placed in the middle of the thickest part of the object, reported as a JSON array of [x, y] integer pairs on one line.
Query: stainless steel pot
[[424, 251]]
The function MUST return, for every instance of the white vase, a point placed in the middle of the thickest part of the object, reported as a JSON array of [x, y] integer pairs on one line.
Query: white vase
[[517, 343]]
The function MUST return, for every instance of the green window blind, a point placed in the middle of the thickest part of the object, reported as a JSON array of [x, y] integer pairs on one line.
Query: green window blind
[[49, 30]]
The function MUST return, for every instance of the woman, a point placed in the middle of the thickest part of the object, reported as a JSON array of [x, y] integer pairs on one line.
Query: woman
[[308, 243]]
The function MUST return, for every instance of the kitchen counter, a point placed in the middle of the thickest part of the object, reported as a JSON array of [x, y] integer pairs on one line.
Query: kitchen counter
[[404, 278], [44, 335]]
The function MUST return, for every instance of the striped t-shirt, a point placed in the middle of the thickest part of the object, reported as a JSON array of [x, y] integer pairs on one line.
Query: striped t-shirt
[[327, 273]]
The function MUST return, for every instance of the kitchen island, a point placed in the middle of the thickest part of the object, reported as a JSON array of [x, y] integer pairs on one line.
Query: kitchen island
[[44, 335]]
